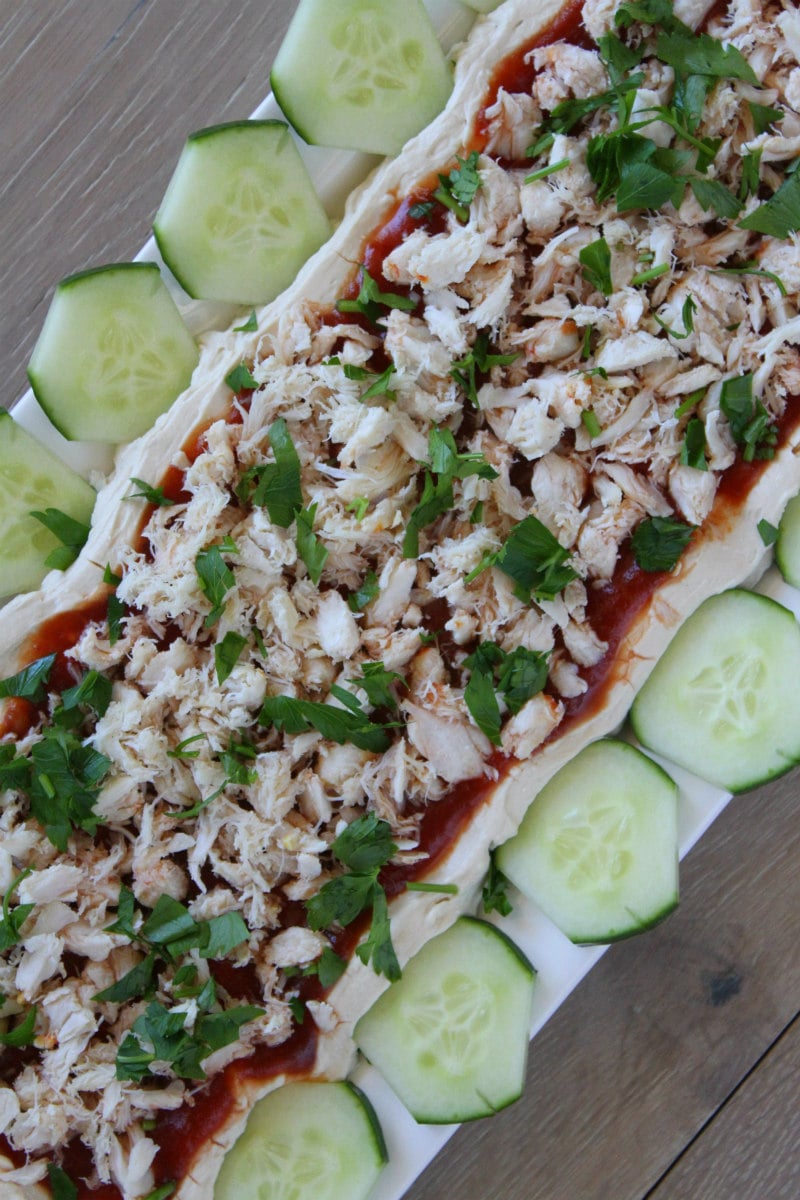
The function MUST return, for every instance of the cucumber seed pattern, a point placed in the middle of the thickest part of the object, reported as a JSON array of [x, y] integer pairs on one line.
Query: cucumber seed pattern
[[592, 846], [446, 1020], [365, 67], [729, 691]]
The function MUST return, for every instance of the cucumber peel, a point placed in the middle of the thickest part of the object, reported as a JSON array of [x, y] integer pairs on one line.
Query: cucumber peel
[[451, 1036], [240, 215], [112, 355], [361, 74], [723, 700], [32, 479], [306, 1141], [597, 850]]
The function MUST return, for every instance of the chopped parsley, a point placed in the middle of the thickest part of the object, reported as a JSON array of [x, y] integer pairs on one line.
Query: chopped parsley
[[30, 683], [780, 215], [534, 559], [339, 725], [22, 1034], [250, 325], [478, 360], [751, 267], [227, 654], [358, 600], [13, 919], [590, 422], [693, 450], [370, 300], [517, 676], [358, 507], [62, 779], [376, 681], [240, 379], [309, 547], [153, 495], [61, 1185], [750, 423], [71, 533], [458, 189], [658, 542], [595, 260], [544, 172], [160, 1035], [275, 486], [363, 848], [445, 465], [215, 578], [687, 316], [495, 890], [768, 532]]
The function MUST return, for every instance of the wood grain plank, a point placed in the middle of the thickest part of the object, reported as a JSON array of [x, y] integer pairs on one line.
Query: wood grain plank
[[97, 101], [751, 1146], [658, 1036]]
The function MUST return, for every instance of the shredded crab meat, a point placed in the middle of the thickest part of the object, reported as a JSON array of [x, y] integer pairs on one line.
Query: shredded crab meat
[[581, 412]]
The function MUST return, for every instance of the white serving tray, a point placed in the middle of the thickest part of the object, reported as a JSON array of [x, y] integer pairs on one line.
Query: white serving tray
[[560, 965]]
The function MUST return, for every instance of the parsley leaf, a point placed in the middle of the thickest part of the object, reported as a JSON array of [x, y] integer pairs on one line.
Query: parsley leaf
[[518, 676], [749, 420], [71, 533], [534, 559], [376, 681], [364, 847], [693, 450], [446, 465], [371, 299], [768, 532], [710, 193], [465, 370], [13, 920], [780, 215], [240, 379], [250, 326], [29, 683], [377, 946], [366, 843], [337, 724], [311, 550], [227, 653], [658, 542], [215, 579], [457, 190], [22, 1034], [275, 486], [153, 495], [164, 1030], [358, 600], [494, 894], [595, 260], [380, 381], [764, 116], [687, 315], [61, 1185]]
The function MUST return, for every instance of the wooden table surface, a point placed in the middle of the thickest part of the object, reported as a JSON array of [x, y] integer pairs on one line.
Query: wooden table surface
[[672, 1072]]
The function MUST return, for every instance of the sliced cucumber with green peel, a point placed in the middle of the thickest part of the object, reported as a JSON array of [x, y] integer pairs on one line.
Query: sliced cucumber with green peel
[[451, 1036], [113, 353], [361, 74], [598, 847], [32, 479], [305, 1141], [787, 546], [240, 215], [724, 700]]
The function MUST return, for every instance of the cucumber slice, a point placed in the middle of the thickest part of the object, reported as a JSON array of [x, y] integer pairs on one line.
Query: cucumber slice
[[451, 1036], [32, 479], [787, 546], [724, 699], [361, 74], [305, 1141], [483, 6], [598, 847], [113, 353], [240, 215]]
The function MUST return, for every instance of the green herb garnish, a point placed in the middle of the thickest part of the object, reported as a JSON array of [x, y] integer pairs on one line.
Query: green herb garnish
[[658, 542], [71, 533]]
